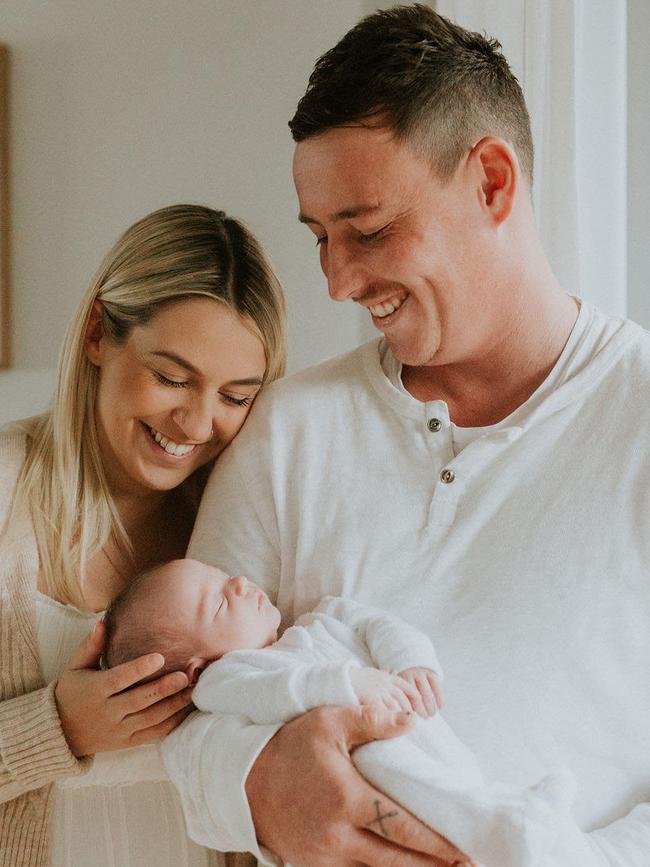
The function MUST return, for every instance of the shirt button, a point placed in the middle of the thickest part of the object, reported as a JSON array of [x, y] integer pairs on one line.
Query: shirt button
[[447, 476], [434, 425]]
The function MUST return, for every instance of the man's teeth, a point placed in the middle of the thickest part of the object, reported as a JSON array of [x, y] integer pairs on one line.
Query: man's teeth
[[386, 308], [170, 446]]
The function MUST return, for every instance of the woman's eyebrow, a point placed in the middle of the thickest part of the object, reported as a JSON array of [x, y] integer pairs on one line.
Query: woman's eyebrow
[[171, 356]]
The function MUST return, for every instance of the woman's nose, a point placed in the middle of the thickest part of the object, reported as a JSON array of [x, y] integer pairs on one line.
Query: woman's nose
[[239, 585], [195, 421]]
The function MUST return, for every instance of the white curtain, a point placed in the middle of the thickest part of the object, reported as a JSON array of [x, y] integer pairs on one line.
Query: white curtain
[[570, 58]]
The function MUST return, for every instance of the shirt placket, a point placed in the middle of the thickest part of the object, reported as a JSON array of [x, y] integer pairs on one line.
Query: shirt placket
[[452, 473]]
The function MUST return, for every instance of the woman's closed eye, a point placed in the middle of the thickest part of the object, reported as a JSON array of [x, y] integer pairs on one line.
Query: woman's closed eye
[[170, 383], [236, 401]]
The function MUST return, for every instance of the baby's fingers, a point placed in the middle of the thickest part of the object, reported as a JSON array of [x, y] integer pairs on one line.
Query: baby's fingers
[[434, 683], [409, 688], [428, 699]]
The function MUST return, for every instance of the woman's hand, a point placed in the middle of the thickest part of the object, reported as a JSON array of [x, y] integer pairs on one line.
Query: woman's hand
[[312, 808], [97, 716]]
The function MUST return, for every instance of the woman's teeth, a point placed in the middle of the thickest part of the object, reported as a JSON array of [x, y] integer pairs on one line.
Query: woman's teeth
[[386, 308], [170, 446]]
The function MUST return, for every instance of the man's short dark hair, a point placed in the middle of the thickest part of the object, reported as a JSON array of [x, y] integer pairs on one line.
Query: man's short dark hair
[[439, 87]]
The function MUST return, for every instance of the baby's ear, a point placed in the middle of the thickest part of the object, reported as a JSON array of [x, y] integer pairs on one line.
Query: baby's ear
[[194, 668]]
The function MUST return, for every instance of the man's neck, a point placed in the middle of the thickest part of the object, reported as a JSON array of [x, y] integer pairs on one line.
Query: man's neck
[[485, 391]]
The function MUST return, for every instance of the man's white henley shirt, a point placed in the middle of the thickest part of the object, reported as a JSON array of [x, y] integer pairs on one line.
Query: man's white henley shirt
[[522, 550]]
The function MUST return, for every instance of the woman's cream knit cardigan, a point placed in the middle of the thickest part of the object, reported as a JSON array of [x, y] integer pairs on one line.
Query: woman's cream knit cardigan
[[33, 750]]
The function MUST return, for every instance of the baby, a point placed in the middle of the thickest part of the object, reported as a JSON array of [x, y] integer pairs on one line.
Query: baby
[[225, 629]]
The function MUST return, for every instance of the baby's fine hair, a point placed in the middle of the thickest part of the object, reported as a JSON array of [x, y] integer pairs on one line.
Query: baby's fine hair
[[134, 627]]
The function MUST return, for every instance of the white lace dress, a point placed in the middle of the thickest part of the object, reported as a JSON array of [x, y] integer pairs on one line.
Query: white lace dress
[[124, 812]]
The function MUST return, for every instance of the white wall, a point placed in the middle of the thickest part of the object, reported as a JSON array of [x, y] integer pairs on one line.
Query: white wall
[[638, 129], [122, 107]]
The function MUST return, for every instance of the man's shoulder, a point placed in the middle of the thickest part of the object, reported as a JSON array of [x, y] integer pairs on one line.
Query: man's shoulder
[[340, 373]]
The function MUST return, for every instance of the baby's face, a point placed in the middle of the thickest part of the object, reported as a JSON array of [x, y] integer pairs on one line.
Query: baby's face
[[223, 613]]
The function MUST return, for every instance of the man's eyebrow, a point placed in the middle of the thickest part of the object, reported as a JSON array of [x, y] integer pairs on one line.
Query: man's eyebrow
[[345, 214], [182, 362]]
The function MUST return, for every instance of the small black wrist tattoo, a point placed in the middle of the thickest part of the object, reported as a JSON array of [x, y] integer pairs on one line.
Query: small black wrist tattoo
[[380, 819]]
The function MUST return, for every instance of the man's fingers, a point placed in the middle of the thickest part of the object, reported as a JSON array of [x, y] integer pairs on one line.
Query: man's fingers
[[400, 701], [88, 653], [359, 724], [125, 675], [370, 849], [390, 821], [142, 697]]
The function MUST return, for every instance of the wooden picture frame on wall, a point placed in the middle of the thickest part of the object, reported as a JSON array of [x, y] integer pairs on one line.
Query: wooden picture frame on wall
[[4, 207]]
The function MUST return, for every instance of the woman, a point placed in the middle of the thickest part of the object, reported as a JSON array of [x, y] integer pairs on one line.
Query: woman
[[182, 326]]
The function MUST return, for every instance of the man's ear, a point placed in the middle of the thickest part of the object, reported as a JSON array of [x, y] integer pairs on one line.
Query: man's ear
[[94, 333], [499, 176], [194, 668]]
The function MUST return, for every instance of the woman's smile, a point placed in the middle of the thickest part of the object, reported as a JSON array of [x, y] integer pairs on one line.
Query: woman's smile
[[168, 445]]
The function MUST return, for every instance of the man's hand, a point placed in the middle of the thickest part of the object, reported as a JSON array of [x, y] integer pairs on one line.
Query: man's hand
[[373, 686], [312, 808], [427, 690], [97, 715]]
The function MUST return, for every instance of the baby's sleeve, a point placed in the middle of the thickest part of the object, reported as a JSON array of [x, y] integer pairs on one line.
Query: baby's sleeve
[[393, 644], [268, 686]]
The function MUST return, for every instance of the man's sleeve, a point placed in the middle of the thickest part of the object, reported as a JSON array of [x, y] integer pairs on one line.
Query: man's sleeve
[[236, 526], [208, 759]]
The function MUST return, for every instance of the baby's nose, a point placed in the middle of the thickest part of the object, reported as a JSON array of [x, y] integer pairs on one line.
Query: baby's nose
[[239, 585]]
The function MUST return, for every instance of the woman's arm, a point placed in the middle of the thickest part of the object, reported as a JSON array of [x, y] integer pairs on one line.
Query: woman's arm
[[33, 748], [49, 734]]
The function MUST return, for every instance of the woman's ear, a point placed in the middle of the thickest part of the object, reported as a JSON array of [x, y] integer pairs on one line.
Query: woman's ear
[[499, 176], [94, 333]]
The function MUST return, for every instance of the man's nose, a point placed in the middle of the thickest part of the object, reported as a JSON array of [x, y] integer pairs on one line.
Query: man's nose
[[344, 272]]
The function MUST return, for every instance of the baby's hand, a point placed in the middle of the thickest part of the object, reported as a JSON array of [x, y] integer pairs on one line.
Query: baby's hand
[[373, 686], [427, 686]]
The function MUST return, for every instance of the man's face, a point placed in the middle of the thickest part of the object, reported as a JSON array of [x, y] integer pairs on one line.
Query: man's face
[[415, 252]]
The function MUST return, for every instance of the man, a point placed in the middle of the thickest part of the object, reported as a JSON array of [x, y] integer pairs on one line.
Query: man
[[490, 451]]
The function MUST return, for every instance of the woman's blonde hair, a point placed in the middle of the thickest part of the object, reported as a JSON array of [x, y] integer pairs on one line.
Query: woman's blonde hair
[[172, 254]]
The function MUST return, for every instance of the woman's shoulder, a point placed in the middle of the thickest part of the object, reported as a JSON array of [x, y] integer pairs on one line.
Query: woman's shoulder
[[13, 448]]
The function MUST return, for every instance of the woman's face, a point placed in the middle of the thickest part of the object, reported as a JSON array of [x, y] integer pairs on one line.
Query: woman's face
[[175, 394]]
